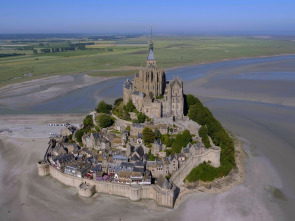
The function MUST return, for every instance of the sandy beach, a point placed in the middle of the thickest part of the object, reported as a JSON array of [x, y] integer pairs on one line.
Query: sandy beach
[[253, 100]]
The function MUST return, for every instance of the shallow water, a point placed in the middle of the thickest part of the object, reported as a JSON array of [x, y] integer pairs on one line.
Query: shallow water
[[85, 99]]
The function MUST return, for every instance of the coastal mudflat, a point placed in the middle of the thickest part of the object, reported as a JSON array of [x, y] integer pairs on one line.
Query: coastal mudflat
[[252, 98], [19, 95]]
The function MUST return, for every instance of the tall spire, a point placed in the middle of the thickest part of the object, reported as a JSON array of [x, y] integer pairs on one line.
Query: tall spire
[[151, 32], [151, 53], [151, 39]]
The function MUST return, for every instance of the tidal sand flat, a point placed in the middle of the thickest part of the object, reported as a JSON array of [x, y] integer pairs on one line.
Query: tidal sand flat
[[17, 97], [260, 114]]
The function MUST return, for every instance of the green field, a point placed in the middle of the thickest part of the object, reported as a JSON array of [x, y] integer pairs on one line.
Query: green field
[[123, 55]]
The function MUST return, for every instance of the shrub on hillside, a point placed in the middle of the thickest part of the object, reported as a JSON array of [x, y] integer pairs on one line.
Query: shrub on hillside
[[103, 107], [202, 115], [104, 121], [148, 135], [129, 107]]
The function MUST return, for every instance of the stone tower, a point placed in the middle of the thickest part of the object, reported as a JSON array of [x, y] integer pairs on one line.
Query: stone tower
[[150, 79], [151, 93]]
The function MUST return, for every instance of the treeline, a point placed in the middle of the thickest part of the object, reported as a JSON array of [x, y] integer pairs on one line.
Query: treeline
[[70, 47], [213, 128], [27, 37], [10, 54], [111, 37]]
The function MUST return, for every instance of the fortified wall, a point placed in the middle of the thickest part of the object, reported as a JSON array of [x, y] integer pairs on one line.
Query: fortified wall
[[212, 155], [87, 188]]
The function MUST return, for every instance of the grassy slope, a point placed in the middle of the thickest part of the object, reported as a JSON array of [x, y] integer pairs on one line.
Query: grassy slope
[[169, 52]]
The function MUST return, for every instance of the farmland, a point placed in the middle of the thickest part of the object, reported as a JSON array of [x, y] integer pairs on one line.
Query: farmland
[[33, 58]]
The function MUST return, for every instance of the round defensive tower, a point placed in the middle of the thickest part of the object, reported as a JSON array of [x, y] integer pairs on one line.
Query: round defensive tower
[[86, 190], [135, 192], [43, 168]]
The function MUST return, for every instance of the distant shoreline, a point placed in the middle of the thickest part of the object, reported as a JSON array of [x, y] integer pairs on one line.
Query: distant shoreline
[[233, 59], [132, 68]]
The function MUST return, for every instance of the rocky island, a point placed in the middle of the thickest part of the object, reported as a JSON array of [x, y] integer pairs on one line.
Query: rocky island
[[145, 146]]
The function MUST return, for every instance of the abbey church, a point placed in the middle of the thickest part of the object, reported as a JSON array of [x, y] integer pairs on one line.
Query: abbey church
[[152, 94]]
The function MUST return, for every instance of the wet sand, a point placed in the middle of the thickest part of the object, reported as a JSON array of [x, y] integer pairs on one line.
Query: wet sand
[[32, 92], [260, 112]]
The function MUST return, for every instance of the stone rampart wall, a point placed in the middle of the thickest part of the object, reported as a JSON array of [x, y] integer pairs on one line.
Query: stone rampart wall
[[120, 122], [212, 155], [162, 197]]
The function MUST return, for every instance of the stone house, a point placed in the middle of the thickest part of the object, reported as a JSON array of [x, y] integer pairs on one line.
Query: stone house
[[138, 153], [58, 151], [124, 137], [61, 161], [136, 129], [117, 159], [69, 130], [198, 148], [95, 141], [156, 147], [156, 168], [71, 148], [86, 152], [163, 128], [139, 139], [186, 151], [124, 176], [173, 166], [113, 169], [181, 159]]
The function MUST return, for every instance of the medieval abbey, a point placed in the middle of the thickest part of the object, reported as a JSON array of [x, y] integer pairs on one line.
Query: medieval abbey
[[117, 160], [152, 94]]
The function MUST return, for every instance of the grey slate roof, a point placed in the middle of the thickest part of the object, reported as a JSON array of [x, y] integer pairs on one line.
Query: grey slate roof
[[163, 182], [128, 84], [151, 55], [139, 164], [140, 151], [120, 157]]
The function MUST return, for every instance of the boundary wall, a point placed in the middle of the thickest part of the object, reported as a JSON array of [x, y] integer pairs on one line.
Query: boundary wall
[[134, 192], [212, 155]]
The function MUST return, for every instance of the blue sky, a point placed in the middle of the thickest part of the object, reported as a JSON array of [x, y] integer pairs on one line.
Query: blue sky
[[168, 17]]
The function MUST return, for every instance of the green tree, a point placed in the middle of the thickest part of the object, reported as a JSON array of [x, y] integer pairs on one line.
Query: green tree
[[157, 133], [78, 136], [166, 140], [148, 135], [181, 141], [141, 117], [212, 127], [88, 121], [151, 156], [104, 121], [128, 128], [203, 133], [103, 107], [118, 101], [129, 107], [97, 129]]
